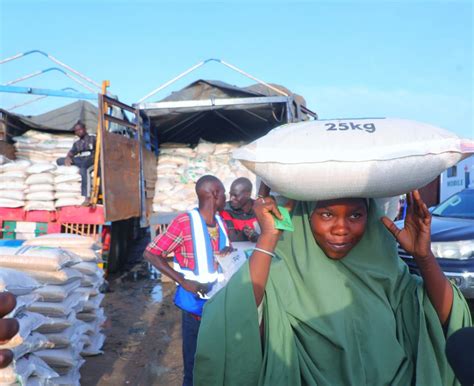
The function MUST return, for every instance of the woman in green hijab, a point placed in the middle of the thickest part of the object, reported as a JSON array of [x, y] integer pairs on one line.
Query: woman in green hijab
[[332, 304]]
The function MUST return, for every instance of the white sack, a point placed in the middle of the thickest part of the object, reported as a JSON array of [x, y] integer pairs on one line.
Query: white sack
[[73, 302], [39, 258], [16, 282], [65, 275], [69, 187], [40, 196], [66, 170], [40, 205], [77, 201], [57, 293], [39, 188], [29, 322], [11, 203], [41, 167], [58, 324], [40, 178], [60, 178], [94, 348], [32, 343], [327, 159], [64, 240]]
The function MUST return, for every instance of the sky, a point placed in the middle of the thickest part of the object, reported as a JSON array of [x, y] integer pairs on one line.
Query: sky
[[406, 59]]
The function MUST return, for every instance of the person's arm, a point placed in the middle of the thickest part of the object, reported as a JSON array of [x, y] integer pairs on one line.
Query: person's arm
[[164, 245], [8, 327], [70, 154], [415, 238], [259, 262]]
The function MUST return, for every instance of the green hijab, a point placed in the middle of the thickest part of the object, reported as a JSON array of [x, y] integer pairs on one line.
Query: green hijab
[[362, 320]]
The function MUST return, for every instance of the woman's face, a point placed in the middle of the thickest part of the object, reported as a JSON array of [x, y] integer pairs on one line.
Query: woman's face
[[338, 225]]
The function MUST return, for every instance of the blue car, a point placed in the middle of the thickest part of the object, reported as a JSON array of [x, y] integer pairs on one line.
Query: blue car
[[452, 240]]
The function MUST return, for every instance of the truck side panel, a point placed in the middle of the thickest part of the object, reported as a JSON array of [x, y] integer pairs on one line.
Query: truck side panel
[[120, 176]]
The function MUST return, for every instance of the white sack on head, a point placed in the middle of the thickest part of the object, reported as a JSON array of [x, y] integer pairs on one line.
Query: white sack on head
[[327, 159]]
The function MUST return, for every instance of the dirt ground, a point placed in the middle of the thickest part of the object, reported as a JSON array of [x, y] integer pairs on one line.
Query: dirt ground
[[143, 345]]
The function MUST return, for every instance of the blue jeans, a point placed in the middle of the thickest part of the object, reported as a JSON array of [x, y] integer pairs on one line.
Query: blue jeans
[[190, 329]]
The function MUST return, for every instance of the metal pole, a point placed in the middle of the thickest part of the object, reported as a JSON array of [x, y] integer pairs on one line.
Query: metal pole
[[33, 74], [36, 99], [174, 80], [252, 77], [204, 62], [52, 58]]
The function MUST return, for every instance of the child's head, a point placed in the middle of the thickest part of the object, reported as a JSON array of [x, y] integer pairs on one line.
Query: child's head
[[338, 225]]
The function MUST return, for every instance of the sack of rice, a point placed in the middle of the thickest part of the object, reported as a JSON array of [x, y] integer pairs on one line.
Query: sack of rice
[[74, 302], [34, 342], [22, 302], [64, 240], [63, 276], [23, 369], [17, 282], [40, 258], [58, 324], [57, 293], [11, 203], [29, 322], [378, 157]]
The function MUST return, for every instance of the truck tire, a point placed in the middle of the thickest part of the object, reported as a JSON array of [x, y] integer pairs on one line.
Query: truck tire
[[118, 246]]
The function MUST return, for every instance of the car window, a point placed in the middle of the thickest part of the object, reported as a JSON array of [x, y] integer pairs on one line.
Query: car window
[[459, 205]]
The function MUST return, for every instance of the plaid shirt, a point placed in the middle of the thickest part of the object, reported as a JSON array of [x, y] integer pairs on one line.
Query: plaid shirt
[[178, 239]]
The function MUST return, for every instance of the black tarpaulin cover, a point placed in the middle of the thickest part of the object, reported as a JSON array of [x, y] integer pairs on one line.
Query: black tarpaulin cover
[[238, 122]]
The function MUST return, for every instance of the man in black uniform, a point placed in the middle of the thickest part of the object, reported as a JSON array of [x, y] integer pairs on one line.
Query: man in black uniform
[[81, 154]]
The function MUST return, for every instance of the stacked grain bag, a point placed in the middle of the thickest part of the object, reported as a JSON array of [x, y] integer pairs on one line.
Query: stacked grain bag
[[179, 167], [58, 302], [67, 180], [12, 183], [42, 147], [28, 341], [92, 314], [39, 193]]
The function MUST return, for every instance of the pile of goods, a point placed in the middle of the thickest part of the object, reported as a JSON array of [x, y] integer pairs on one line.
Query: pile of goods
[[42, 147], [180, 166], [56, 280], [39, 186]]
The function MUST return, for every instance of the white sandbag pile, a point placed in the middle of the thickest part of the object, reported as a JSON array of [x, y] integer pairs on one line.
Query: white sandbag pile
[[67, 185], [52, 286], [327, 159], [92, 277], [179, 167], [39, 193], [42, 147], [28, 340], [12, 183]]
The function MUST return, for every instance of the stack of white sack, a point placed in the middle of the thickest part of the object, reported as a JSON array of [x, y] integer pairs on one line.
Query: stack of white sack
[[92, 314], [179, 167], [373, 158], [67, 180], [58, 302], [12, 183], [24, 345], [42, 147], [39, 193]]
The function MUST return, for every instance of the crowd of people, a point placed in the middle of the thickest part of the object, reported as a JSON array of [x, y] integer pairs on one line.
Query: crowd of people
[[330, 303]]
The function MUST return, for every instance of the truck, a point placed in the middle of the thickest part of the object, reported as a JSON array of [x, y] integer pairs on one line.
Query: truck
[[121, 185], [217, 112]]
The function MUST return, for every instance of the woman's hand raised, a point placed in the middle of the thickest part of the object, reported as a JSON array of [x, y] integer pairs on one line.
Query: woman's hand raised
[[415, 236]]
